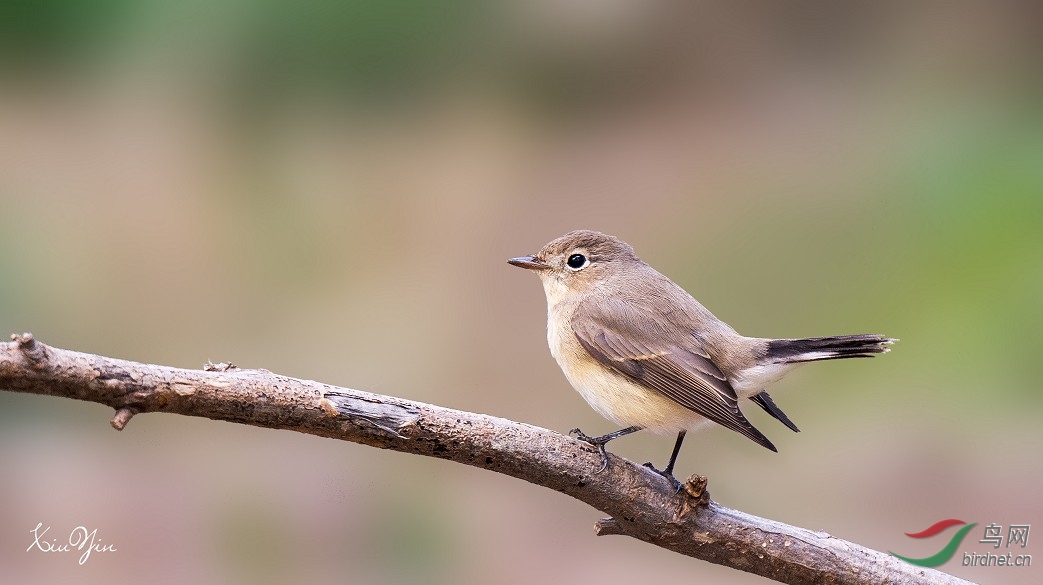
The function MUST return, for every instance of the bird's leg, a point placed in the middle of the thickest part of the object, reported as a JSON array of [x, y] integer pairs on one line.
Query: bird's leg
[[668, 472], [599, 442]]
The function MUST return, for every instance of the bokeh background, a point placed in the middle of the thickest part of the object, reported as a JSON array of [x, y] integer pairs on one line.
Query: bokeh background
[[329, 190]]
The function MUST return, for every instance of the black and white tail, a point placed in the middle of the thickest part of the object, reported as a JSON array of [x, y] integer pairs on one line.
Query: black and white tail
[[795, 351]]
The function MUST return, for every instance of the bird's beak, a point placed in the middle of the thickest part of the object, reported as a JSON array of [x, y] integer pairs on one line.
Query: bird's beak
[[529, 262]]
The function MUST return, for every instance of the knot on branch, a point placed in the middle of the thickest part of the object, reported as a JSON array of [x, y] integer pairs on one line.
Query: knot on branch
[[608, 527], [695, 487], [34, 352], [122, 417], [696, 496], [691, 495], [219, 367], [382, 414]]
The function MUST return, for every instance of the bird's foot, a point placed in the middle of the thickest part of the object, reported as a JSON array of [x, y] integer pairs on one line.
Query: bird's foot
[[668, 474], [598, 442]]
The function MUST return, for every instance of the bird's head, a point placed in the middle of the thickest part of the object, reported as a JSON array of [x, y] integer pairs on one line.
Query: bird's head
[[577, 262]]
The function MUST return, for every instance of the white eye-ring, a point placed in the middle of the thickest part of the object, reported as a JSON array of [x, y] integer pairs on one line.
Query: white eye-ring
[[577, 262]]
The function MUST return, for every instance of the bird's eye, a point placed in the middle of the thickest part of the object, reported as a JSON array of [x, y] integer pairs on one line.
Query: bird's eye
[[577, 261]]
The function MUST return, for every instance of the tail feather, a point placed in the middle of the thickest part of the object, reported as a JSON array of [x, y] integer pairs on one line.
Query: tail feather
[[791, 351]]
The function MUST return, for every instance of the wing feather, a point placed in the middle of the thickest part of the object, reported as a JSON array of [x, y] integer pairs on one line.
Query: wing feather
[[632, 343]]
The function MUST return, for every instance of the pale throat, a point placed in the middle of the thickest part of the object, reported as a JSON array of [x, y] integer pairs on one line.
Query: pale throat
[[556, 290]]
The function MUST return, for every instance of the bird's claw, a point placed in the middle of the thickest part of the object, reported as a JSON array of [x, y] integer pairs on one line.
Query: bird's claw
[[580, 435], [604, 459], [667, 474], [596, 442]]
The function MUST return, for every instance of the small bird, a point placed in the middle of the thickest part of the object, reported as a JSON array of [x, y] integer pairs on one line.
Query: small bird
[[646, 355]]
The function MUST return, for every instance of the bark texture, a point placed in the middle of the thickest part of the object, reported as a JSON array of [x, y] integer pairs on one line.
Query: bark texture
[[640, 503]]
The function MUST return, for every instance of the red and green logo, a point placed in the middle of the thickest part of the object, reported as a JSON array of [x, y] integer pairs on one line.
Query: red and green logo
[[942, 556]]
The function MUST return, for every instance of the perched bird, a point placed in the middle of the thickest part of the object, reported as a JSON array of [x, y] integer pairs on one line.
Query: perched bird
[[646, 355]]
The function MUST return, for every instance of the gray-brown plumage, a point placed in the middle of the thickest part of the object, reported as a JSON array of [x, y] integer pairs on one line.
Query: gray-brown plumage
[[646, 355]]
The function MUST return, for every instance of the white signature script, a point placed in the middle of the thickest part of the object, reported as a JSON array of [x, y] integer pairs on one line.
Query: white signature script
[[80, 539]]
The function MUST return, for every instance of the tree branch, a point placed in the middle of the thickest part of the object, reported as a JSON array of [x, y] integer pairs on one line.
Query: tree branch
[[641, 504]]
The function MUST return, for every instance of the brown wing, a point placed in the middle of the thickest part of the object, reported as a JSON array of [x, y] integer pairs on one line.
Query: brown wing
[[631, 341]]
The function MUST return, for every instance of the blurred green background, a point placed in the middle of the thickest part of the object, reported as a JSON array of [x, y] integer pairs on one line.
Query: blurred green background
[[329, 190]]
